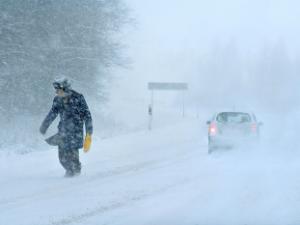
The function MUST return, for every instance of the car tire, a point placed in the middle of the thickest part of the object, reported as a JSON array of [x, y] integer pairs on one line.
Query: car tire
[[210, 148]]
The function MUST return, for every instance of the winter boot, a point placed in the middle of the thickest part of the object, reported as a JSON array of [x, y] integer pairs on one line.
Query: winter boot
[[69, 173]]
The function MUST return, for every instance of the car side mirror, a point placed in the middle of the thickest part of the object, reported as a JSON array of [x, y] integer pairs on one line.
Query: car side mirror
[[208, 122]]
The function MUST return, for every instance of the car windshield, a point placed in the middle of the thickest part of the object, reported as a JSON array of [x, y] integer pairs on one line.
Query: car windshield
[[233, 117]]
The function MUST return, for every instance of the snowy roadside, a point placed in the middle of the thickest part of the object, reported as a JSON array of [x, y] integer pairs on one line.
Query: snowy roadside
[[150, 178], [47, 194]]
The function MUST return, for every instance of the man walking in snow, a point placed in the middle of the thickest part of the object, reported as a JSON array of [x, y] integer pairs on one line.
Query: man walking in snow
[[74, 113]]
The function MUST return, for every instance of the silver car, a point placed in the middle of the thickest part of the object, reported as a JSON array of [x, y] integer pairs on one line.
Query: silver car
[[230, 129]]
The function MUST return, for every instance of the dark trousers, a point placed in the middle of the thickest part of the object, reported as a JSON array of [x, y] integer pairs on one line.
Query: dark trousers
[[69, 159]]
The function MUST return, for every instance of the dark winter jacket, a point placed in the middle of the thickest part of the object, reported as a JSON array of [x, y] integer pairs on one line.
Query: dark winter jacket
[[73, 112]]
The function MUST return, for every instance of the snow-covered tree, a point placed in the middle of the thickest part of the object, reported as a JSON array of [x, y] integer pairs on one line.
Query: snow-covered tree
[[42, 39]]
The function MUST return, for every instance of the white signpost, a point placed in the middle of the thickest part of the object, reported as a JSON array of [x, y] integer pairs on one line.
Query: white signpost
[[158, 86]]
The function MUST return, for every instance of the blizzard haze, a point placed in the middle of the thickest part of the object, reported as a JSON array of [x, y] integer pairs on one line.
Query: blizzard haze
[[234, 56], [227, 51]]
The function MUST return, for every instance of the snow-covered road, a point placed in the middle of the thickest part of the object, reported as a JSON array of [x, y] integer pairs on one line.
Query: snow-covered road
[[160, 177]]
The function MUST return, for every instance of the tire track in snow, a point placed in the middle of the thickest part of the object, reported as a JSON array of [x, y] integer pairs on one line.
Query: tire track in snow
[[105, 174], [119, 204], [61, 189]]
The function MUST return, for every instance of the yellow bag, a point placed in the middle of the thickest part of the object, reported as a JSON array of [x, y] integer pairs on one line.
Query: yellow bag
[[87, 143]]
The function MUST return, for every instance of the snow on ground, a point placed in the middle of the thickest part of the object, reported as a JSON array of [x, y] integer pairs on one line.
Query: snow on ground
[[154, 178]]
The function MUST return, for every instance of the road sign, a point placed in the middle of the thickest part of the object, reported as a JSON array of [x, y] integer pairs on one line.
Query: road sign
[[167, 86]]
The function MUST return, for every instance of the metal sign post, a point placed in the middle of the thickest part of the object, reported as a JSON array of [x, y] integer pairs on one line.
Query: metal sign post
[[150, 113], [183, 105]]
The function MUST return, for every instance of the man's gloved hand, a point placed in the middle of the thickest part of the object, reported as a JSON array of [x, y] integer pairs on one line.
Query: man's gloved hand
[[87, 142], [42, 130]]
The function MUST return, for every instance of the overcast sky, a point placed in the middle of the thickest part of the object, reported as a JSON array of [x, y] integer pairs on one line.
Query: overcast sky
[[172, 36], [170, 24]]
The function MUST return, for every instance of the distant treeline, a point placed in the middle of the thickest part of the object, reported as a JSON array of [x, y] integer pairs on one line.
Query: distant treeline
[[267, 77]]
